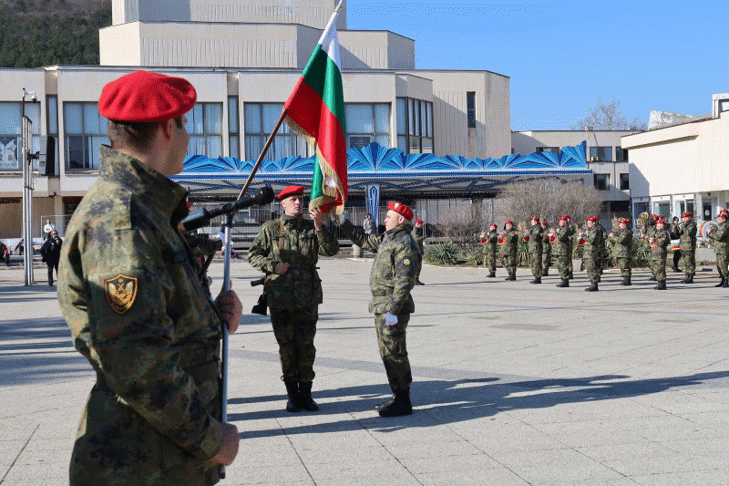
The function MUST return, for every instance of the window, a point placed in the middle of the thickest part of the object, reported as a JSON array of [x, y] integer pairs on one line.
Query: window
[[10, 132], [621, 154], [233, 127], [602, 181], [624, 181], [471, 108], [415, 126], [601, 153], [85, 133], [367, 123], [548, 149], [260, 120], [205, 127]]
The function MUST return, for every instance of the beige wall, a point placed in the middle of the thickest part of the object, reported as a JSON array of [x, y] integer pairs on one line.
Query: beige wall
[[376, 50]]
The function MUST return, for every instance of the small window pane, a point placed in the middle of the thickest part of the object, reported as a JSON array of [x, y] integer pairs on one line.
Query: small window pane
[[271, 114], [383, 140], [213, 118], [429, 117], [74, 119], [414, 147], [75, 157], [214, 147], [52, 115], [411, 116], [402, 143], [382, 118], [416, 117], [254, 144], [91, 118], [359, 118], [253, 118], [10, 118], [233, 114], [402, 114], [32, 111], [234, 146], [427, 146]]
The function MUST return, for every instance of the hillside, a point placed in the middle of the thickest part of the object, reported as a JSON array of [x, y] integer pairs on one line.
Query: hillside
[[49, 32]]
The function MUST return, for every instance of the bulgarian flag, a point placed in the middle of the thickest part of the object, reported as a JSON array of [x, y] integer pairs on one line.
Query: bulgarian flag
[[315, 110]]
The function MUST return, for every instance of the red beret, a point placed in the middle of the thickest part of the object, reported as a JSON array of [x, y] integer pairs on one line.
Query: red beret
[[535, 218], [401, 208], [144, 96], [510, 222], [687, 214], [419, 221], [624, 220], [661, 220], [594, 219], [722, 215], [290, 191], [566, 217], [493, 225]]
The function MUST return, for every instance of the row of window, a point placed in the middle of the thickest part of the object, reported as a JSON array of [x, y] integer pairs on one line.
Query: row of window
[[85, 130], [601, 154], [602, 181]]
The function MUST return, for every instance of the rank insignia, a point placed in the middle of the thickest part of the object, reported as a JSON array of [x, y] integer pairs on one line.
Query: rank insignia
[[121, 291], [406, 262]]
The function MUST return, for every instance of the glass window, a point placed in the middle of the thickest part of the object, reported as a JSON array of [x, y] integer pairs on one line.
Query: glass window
[[548, 149], [624, 181], [10, 132], [260, 120], [419, 135], [621, 154], [85, 133], [602, 181], [402, 116], [601, 153], [204, 126], [471, 108], [367, 123], [233, 127]]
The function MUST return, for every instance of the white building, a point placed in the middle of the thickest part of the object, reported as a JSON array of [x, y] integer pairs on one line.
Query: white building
[[682, 167], [243, 57]]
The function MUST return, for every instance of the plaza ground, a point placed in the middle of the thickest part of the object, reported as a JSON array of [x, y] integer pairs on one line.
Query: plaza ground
[[515, 384]]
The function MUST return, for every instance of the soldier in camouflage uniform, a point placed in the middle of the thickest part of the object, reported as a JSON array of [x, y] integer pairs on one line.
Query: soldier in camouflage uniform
[[419, 237], [570, 247], [591, 252], [490, 244], [561, 250], [647, 232], [396, 266], [509, 241], [129, 292], [602, 250], [687, 235], [622, 241], [546, 248], [287, 249], [720, 241], [535, 243], [659, 251]]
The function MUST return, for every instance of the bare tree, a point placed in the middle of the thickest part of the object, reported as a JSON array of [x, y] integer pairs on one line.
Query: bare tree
[[607, 116], [461, 226], [549, 198]]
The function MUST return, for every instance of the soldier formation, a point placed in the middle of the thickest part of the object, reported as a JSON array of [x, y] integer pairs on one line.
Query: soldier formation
[[545, 244]]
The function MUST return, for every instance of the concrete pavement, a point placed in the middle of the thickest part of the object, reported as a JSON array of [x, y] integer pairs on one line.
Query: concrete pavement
[[515, 384]]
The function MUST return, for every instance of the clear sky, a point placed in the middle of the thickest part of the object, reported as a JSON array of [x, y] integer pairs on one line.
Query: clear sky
[[668, 56]]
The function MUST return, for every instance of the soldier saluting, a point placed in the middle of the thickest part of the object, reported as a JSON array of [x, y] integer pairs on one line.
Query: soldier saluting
[[130, 294]]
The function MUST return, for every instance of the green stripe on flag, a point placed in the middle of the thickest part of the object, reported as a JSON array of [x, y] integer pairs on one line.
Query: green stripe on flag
[[329, 86]]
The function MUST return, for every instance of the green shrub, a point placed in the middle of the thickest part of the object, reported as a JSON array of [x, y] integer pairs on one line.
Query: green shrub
[[441, 254]]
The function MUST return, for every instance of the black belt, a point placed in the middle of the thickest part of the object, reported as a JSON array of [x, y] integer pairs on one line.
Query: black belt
[[200, 374]]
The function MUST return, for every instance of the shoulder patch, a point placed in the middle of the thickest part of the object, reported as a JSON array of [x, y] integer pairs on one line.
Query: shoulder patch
[[121, 292]]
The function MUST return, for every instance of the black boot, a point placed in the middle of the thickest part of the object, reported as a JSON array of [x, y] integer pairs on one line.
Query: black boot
[[564, 283], [537, 280], [721, 284], [626, 281], [675, 269], [592, 288], [491, 275], [652, 279], [400, 405], [510, 278], [386, 403], [292, 390], [571, 276], [689, 279], [305, 397], [661, 285], [545, 273], [726, 283]]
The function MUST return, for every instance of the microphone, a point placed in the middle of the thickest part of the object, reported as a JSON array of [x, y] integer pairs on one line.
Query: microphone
[[202, 216]]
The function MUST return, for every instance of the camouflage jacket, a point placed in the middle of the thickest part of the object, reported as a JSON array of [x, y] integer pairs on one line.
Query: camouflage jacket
[[563, 245], [687, 234], [419, 238], [511, 242], [661, 240], [593, 242], [130, 294], [621, 243], [536, 233], [546, 241], [396, 266], [292, 240], [720, 238], [491, 243]]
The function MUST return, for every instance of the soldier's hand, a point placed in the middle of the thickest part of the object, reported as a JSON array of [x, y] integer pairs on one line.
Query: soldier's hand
[[229, 449], [317, 217], [230, 309], [390, 319], [281, 268]]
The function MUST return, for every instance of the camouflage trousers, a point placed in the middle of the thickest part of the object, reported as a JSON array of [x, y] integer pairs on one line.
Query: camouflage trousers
[[592, 268], [624, 266], [688, 261], [546, 260], [563, 265], [294, 330], [569, 261], [659, 263], [535, 263], [509, 263], [722, 259], [490, 261], [393, 351]]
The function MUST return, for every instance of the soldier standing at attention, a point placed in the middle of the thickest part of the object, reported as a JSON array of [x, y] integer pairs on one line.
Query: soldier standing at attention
[[396, 266], [649, 229], [622, 241], [509, 242], [490, 243], [687, 234], [287, 249], [130, 294], [591, 252], [561, 248], [720, 241], [534, 237], [419, 237], [571, 230], [546, 248], [602, 250], [659, 243]]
